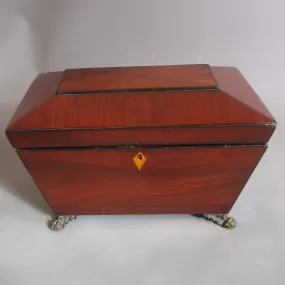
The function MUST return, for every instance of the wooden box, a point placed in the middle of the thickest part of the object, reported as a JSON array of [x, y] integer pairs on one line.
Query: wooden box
[[141, 140]]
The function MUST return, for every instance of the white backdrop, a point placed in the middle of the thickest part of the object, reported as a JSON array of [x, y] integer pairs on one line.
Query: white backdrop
[[37, 36]]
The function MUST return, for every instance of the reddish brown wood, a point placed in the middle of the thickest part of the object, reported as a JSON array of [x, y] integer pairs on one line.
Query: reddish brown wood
[[139, 77], [146, 106], [71, 115], [231, 81], [173, 180], [142, 136], [40, 91], [140, 109]]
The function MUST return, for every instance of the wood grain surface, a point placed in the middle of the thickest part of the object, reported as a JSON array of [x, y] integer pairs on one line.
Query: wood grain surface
[[142, 109], [238, 134], [150, 112], [173, 180], [41, 90], [136, 78], [232, 82]]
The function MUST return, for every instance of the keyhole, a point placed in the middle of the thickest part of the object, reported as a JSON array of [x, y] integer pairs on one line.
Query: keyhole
[[139, 157]]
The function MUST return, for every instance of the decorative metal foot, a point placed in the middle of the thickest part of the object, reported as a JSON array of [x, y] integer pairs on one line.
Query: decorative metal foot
[[60, 222], [222, 220]]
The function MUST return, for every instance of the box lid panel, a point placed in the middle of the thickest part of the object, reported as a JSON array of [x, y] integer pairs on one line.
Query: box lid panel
[[146, 78], [233, 103], [144, 109], [143, 136]]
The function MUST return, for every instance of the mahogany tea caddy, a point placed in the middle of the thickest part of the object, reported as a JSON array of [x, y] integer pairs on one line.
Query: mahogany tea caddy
[[141, 140]]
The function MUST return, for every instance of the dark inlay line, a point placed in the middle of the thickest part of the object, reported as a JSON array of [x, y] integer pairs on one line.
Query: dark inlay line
[[188, 127], [136, 90], [124, 147]]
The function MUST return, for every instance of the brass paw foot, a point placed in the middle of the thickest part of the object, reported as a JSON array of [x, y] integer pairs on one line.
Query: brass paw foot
[[222, 220], [60, 222]]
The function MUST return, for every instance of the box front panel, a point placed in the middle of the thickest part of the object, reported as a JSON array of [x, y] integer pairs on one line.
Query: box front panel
[[171, 180]]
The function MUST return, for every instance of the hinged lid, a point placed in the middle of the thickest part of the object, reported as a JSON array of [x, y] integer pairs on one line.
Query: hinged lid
[[140, 105]]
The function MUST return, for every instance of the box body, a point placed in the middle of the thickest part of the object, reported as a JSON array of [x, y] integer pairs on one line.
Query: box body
[[201, 131]]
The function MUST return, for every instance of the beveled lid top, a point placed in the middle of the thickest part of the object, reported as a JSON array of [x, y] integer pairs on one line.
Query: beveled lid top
[[134, 79], [124, 97]]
